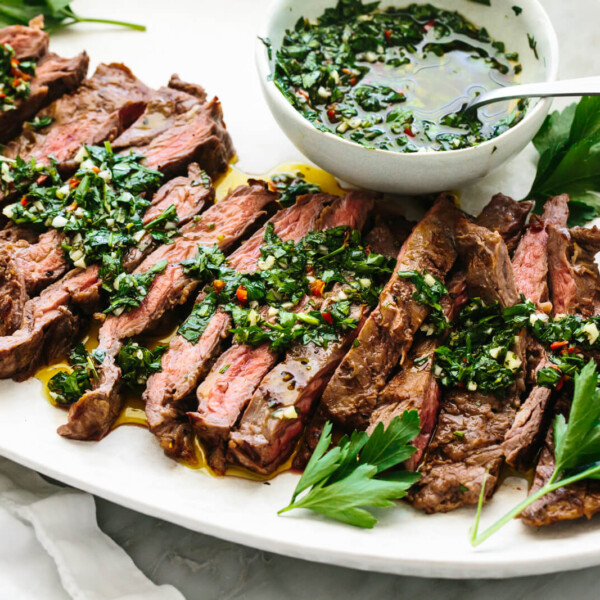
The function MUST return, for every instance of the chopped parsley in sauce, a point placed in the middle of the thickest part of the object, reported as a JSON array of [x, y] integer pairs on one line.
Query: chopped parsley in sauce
[[395, 78], [99, 210], [264, 305], [15, 78]]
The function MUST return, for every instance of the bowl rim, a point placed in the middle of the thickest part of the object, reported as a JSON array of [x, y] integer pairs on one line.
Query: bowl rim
[[269, 87]]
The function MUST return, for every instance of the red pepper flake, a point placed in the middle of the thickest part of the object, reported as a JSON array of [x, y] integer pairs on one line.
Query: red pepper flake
[[317, 287], [429, 25], [560, 383], [332, 114], [367, 250], [557, 345], [353, 81], [409, 132], [327, 316], [303, 93], [73, 183], [41, 179], [571, 349], [16, 82], [24, 201], [95, 169], [218, 284], [388, 33], [242, 294]]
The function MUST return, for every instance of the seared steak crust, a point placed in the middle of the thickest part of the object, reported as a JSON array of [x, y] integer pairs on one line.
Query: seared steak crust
[[455, 465], [99, 110], [388, 332], [178, 127], [54, 77]]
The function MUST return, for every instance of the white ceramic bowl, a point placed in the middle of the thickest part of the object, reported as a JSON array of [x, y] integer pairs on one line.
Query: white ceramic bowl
[[421, 172]]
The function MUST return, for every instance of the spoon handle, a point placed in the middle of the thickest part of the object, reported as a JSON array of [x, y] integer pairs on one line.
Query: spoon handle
[[586, 86]]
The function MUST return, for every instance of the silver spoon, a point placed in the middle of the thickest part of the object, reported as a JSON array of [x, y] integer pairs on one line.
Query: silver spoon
[[586, 86]]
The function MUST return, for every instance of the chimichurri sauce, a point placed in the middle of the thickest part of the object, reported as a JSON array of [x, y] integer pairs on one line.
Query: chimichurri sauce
[[15, 77], [395, 79]]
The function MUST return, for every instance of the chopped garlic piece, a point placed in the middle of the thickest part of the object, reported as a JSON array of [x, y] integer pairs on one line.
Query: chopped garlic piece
[[591, 331], [512, 361]]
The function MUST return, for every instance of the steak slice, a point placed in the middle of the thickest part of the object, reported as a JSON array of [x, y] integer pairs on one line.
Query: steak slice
[[28, 42], [178, 127], [583, 498], [49, 324], [455, 465], [13, 293], [92, 416], [84, 297], [414, 387], [388, 332], [54, 76], [265, 437], [507, 217], [101, 108], [167, 393], [530, 266], [223, 396]]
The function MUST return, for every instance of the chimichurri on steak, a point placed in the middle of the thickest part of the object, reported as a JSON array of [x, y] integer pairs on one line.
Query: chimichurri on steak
[[396, 78]]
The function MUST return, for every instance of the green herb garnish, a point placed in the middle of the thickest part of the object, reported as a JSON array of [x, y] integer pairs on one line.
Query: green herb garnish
[[569, 147], [576, 449], [533, 45], [287, 272], [137, 363], [15, 78], [57, 14], [429, 293], [290, 187], [66, 388], [517, 10], [40, 122], [99, 209], [359, 472]]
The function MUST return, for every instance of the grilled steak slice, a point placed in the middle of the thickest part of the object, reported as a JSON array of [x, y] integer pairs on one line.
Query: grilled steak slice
[[222, 397], [13, 293], [178, 127], [101, 108], [54, 77], [455, 465], [168, 394], [507, 217], [386, 237], [49, 324], [581, 499], [530, 266], [414, 387], [84, 298], [265, 438], [388, 333], [92, 416], [27, 42]]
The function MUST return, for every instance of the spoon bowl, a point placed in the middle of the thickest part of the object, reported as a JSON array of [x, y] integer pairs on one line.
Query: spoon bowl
[[425, 171]]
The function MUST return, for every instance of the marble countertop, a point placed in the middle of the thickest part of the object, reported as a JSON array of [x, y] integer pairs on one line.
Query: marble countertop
[[202, 567]]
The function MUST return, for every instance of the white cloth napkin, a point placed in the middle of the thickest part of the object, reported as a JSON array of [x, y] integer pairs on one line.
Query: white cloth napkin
[[52, 549]]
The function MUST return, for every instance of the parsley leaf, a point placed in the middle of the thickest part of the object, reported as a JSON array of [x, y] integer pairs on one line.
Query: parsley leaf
[[576, 449], [569, 147], [357, 473], [57, 14]]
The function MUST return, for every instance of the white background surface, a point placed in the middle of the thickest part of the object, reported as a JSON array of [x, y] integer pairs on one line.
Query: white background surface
[[200, 33]]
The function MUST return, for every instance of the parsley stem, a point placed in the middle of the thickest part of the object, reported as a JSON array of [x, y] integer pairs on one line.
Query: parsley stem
[[109, 22], [551, 486]]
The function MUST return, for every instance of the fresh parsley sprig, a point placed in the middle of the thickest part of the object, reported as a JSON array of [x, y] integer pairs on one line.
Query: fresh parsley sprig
[[358, 473], [576, 449], [57, 14], [569, 147]]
